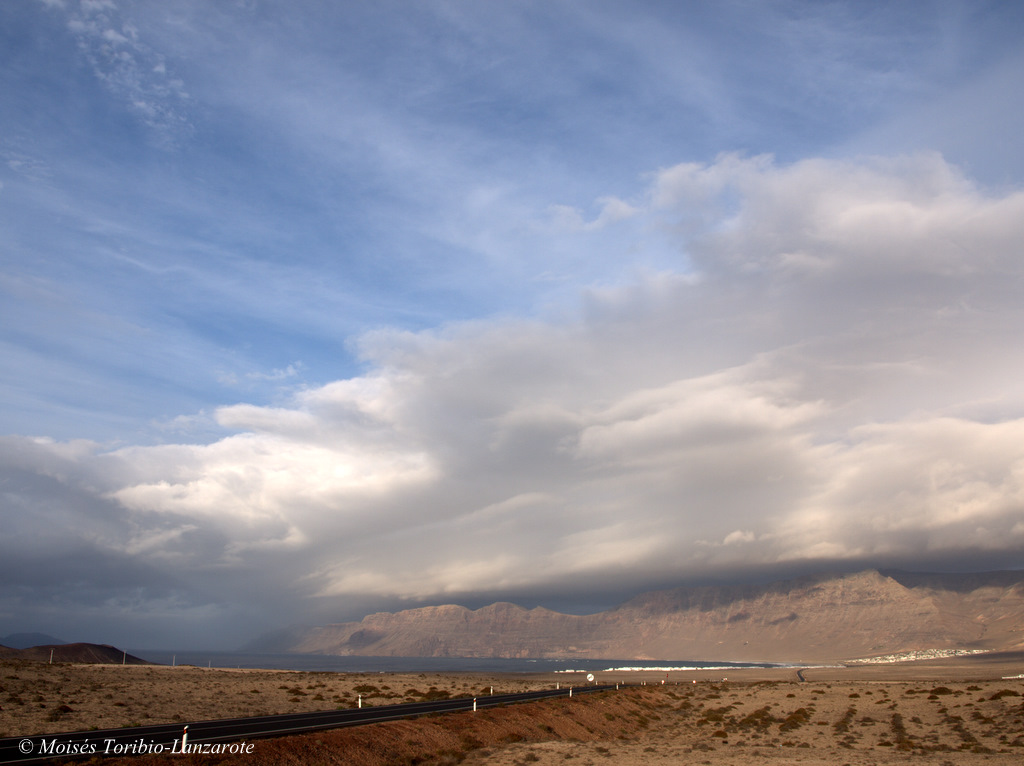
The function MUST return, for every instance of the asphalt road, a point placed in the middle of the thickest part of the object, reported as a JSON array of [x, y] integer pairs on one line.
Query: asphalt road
[[235, 734]]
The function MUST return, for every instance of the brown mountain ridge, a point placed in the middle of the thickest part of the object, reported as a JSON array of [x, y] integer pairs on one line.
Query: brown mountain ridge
[[814, 618]]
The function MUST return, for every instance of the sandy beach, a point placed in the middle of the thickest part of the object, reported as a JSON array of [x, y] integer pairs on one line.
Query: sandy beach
[[957, 710]]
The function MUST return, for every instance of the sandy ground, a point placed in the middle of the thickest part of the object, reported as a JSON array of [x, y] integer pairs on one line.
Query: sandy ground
[[847, 722], [939, 712], [39, 698]]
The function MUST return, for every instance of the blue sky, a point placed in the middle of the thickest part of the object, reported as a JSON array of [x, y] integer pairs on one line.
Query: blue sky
[[314, 308]]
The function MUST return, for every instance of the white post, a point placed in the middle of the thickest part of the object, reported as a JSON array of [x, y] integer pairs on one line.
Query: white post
[[558, 686], [360, 701], [474, 704], [570, 691], [492, 691], [184, 738]]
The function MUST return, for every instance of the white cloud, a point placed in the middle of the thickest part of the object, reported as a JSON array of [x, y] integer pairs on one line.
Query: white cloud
[[692, 414], [97, 6], [131, 69], [568, 218], [738, 536], [291, 371], [836, 380], [887, 216], [925, 484]]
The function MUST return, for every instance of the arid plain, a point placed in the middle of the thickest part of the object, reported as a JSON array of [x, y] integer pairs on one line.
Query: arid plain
[[955, 710]]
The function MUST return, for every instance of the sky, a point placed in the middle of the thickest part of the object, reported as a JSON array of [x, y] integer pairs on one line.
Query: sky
[[310, 310]]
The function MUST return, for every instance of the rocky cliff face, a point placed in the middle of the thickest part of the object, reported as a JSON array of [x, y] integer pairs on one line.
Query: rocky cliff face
[[825, 617]]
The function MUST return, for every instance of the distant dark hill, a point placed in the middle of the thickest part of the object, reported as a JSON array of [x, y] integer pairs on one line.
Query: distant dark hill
[[814, 618], [26, 640], [95, 654]]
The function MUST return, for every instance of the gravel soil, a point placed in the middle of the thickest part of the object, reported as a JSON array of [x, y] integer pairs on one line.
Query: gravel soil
[[931, 713]]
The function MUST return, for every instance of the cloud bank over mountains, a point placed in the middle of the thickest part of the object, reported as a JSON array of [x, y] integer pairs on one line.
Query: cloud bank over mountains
[[830, 376]]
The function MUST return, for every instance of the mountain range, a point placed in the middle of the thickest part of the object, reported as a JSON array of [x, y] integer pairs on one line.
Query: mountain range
[[813, 618]]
